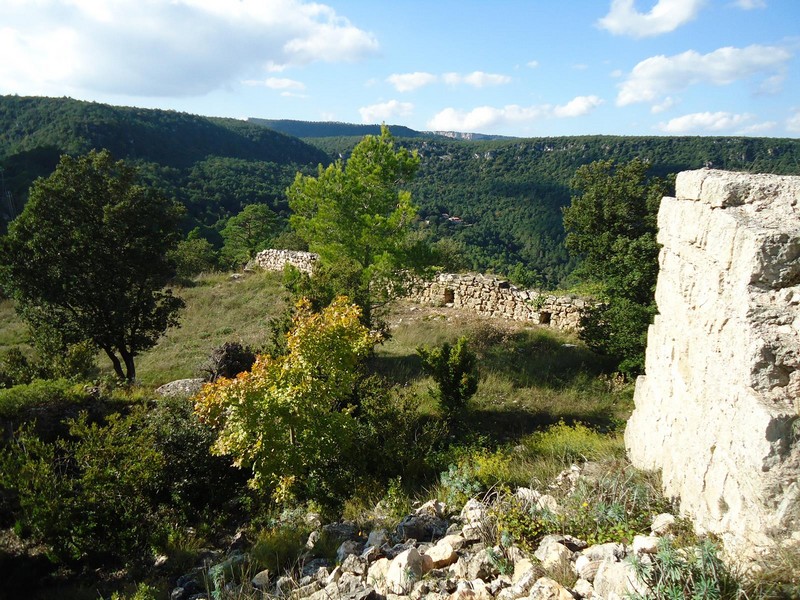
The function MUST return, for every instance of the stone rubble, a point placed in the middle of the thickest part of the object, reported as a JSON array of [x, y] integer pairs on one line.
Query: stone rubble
[[449, 565]]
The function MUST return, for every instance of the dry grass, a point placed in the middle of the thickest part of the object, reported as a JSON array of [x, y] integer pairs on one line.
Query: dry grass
[[219, 308]]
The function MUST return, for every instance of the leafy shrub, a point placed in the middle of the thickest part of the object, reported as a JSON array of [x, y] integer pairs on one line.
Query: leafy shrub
[[289, 417], [88, 496], [228, 360], [20, 401], [394, 439], [697, 573], [612, 506], [475, 472], [455, 371], [519, 524]]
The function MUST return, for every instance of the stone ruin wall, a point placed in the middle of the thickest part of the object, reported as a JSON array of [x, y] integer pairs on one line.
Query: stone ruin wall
[[480, 294], [493, 297], [275, 260], [717, 409]]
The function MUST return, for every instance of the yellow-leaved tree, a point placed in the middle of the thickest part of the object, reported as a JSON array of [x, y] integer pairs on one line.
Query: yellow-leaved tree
[[288, 419]]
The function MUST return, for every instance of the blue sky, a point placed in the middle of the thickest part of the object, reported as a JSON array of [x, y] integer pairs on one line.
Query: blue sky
[[510, 67]]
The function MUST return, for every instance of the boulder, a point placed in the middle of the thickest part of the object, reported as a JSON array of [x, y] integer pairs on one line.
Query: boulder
[[404, 571], [717, 408]]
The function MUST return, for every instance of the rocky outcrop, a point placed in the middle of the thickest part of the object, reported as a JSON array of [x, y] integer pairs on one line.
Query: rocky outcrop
[[717, 410], [275, 260], [493, 297]]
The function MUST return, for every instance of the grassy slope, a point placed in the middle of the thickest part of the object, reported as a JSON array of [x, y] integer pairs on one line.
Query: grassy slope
[[219, 309], [529, 376]]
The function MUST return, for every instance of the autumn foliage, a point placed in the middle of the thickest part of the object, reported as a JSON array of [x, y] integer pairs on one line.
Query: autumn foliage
[[289, 416]]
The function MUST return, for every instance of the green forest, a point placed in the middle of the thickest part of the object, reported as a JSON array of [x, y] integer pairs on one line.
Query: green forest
[[498, 201]]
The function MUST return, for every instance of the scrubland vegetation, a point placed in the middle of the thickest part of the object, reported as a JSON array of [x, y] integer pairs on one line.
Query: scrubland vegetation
[[327, 397]]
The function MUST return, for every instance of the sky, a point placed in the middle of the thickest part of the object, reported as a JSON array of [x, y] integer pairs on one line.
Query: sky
[[508, 67]]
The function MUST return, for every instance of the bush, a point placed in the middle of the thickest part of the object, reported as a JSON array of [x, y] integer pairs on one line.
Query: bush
[[89, 497], [455, 371], [229, 360], [694, 572]]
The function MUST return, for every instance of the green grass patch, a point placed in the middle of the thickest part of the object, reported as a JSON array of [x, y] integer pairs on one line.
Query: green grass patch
[[219, 308]]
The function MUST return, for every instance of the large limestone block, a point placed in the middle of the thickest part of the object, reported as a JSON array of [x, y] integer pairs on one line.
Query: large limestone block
[[717, 407]]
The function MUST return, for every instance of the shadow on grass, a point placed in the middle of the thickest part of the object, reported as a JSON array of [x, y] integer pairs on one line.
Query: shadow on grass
[[396, 369], [509, 426], [540, 359]]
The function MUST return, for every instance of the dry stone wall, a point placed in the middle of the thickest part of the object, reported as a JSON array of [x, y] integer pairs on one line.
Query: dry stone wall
[[480, 294], [493, 297], [717, 410], [275, 260]]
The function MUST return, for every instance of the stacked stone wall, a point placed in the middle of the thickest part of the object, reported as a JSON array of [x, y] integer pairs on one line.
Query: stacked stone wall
[[480, 294], [493, 297], [276, 260]]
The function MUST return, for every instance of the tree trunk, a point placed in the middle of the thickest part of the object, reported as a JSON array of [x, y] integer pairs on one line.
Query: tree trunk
[[115, 362], [130, 368]]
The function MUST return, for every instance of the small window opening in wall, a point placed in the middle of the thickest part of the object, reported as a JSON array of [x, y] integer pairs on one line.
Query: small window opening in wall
[[449, 296], [544, 318]]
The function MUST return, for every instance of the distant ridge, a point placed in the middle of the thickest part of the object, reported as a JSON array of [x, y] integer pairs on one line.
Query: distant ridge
[[317, 129], [165, 137]]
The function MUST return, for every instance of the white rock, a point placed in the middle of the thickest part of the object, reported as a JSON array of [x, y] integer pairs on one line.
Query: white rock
[[583, 588], [645, 544], [404, 571], [548, 589], [662, 523], [723, 361]]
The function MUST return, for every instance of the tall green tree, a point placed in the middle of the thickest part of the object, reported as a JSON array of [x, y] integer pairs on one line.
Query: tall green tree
[[87, 258], [611, 227], [357, 217], [248, 232]]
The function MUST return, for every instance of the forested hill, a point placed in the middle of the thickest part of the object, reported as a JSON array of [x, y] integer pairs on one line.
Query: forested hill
[[503, 199], [500, 201], [214, 165], [326, 129]]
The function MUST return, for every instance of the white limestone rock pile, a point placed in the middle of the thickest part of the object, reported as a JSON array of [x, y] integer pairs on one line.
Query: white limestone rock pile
[[717, 409]]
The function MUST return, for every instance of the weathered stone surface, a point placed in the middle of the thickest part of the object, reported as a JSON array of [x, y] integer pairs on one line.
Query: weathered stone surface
[[180, 387], [441, 555], [548, 589], [616, 581], [554, 556], [493, 297], [404, 571], [662, 523], [275, 260], [645, 544], [717, 407]]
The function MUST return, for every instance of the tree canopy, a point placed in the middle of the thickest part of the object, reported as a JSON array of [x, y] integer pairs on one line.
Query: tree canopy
[[356, 215], [611, 226], [87, 258]]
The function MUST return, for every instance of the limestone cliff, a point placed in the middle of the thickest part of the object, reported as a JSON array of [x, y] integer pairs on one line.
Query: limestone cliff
[[717, 410]]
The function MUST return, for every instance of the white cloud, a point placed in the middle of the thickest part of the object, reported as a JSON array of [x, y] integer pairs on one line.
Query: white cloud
[[758, 128], [665, 104], [793, 122], [709, 122], [157, 48], [277, 83], [379, 113], [751, 4], [477, 79], [578, 106], [532, 64], [657, 77], [484, 117], [580, 66], [407, 82], [665, 16]]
